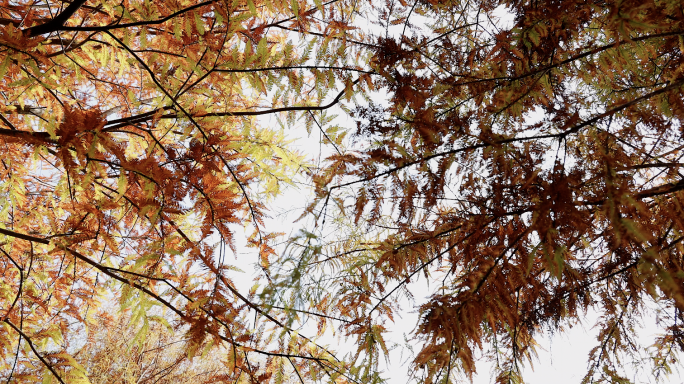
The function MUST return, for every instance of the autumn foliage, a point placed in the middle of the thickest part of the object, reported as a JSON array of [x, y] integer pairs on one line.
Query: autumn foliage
[[112, 353], [522, 157], [527, 165], [131, 155]]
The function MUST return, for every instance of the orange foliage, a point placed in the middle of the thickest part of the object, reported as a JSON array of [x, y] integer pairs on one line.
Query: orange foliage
[[131, 156], [530, 171], [528, 168]]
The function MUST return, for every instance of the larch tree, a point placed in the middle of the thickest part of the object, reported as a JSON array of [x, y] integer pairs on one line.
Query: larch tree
[[132, 154], [528, 164]]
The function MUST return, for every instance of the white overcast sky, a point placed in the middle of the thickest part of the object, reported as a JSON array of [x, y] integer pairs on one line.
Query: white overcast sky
[[562, 357]]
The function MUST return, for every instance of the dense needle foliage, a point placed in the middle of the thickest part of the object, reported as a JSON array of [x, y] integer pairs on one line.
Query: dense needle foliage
[[112, 355], [131, 156], [523, 157], [528, 164]]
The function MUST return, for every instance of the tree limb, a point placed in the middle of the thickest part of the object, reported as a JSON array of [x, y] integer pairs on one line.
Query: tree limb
[[58, 22]]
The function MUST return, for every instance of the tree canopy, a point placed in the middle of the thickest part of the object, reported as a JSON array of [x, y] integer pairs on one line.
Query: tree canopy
[[522, 157], [131, 154]]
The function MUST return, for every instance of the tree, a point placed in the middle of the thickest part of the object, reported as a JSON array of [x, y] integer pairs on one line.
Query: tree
[[131, 157], [112, 355], [530, 169]]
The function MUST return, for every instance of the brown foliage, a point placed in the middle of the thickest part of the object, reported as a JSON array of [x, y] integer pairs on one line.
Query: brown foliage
[[131, 156], [530, 171], [112, 355]]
